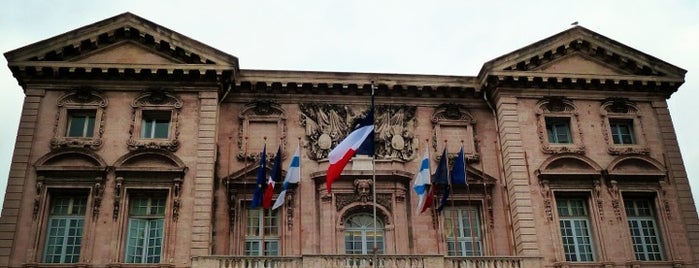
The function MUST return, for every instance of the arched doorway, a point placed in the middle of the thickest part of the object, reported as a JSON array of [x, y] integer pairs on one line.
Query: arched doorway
[[360, 234]]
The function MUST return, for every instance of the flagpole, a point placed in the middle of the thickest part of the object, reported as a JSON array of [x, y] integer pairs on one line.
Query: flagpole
[[436, 228], [373, 175], [261, 206], [468, 198], [231, 229], [451, 192], [298, 196], [243, 212]]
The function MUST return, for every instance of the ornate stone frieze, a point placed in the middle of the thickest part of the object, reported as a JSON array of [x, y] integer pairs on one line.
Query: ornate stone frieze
[[260, 116], [159, 100], [85, 100]]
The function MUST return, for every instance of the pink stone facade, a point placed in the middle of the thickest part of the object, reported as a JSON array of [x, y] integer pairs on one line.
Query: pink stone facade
[[568, 145]]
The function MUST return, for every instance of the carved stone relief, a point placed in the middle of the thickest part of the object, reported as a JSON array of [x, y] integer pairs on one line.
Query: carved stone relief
[[395, 132], [161, 100], [342, 200], [118, 191], [326, 125], [547, 195], [596, 192], [83, 98], [613, 190], [259, 113]]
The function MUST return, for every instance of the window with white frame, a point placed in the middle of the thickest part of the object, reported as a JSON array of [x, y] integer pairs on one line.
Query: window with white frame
[[361, 236], [262, 232], [155, 124], [81, 124], [144, 240], [65, 229], [575, 228], [558, 130], [462, 226], [644, 229]]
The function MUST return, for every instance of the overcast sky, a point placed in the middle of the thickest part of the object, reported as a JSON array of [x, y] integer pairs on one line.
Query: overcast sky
[[418, 37]]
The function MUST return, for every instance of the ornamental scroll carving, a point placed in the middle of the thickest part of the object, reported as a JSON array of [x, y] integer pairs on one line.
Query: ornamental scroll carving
[[157, 99], [260, 116], [84, 99], [326, 125]]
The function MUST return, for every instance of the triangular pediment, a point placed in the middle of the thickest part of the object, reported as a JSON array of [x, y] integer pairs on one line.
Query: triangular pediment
[[578, 63], [101, 42], [580, 51], [126, 53]]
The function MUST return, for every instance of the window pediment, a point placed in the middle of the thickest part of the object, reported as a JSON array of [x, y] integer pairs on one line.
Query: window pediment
[[636, 168], [568, 166]]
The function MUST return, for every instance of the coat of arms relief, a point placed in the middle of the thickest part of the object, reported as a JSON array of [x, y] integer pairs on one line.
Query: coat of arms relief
[[325, 126]]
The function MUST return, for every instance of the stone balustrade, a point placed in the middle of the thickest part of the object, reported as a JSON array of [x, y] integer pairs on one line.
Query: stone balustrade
[[361, 261]]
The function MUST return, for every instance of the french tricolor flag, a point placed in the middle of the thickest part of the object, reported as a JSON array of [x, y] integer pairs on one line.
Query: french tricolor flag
[[361, 139]]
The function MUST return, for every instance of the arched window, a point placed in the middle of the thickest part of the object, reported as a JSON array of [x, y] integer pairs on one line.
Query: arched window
[[360, 235]]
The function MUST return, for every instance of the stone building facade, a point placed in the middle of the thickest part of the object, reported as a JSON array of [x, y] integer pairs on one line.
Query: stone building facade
[[140, 147]]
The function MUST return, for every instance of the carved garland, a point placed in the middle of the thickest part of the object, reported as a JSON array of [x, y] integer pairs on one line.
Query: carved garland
[[613, 190], [559, 107], [155, 99], [547, 196], [82, 98]]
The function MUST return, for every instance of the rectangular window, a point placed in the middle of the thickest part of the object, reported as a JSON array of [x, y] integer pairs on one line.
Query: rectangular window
[[155, 125], [145, 228], [558, 130], [622, 131], [65, 229], [643, 229], [262, 236], [575, 229], [81, 123], [462, 226]]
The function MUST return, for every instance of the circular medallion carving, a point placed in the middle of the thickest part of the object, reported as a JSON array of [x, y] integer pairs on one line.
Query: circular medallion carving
[[324, 141], [397, 142]]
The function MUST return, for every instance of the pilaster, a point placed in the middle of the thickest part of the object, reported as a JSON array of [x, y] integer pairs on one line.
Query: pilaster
[[203, 191], [516, 177], [11, 212]]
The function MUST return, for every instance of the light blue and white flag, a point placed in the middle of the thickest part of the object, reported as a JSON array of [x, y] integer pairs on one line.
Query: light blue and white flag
[[293, 175], [422, 181]]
